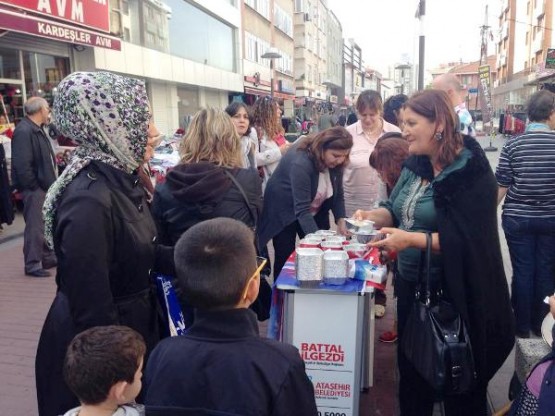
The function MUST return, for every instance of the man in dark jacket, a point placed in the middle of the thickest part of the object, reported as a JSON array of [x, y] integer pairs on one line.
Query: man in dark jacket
[[33, 171], [221, 365]]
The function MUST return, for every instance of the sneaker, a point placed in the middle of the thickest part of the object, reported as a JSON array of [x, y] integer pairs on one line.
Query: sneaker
[[388, 337]]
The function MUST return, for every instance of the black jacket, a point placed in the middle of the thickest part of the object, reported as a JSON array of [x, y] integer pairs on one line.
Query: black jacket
[[222, 366], [33, 160], [291, 190], [200, 191], [466, 206], [104, 239]]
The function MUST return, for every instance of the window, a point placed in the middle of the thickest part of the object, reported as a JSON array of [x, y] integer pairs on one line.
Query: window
[[299, 6], [261, 6], [309, 71], [284, 64], [283, 20], [9, 64], [200, 37]]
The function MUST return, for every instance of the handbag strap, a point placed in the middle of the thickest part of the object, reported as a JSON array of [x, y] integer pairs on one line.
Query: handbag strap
[[243, 194], [424, 275]]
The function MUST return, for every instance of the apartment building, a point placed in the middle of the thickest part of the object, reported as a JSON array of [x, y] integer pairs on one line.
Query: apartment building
[[524, 36], [353, 71], [187, 52], [403, 77], [311, 45], [334, 76], [268, 26]]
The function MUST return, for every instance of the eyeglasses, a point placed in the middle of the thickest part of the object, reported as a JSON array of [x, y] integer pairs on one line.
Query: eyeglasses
[[261, 262]]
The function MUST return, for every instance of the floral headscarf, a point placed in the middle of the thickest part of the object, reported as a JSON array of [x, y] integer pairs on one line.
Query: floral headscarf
[[107, 115]]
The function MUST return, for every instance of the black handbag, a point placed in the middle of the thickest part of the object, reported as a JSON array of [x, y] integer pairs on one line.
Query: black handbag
[[262, 304], [435, 339]]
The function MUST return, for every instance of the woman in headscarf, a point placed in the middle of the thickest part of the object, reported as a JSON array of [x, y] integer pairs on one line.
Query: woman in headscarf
[[97, 220]]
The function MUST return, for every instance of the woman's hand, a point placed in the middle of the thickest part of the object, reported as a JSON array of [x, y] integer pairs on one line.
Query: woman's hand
[[396, 239], [342, 227], [361, 215]]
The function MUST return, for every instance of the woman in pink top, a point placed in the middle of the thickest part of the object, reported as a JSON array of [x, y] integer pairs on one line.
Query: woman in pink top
[[361, 183]]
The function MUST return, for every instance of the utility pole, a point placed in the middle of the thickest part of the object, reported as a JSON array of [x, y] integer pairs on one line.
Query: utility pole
[[485, 33], [420, 13]]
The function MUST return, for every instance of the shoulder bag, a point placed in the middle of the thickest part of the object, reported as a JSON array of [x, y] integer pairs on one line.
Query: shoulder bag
[[261, 305], [435, 339]]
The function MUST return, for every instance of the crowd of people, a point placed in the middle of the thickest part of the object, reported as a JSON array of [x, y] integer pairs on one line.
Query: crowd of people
[[411, 165]]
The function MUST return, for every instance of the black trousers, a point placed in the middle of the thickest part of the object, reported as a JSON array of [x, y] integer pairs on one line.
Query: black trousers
[[416, 397]]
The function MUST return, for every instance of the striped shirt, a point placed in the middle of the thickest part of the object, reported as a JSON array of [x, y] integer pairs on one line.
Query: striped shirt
[[527, 168]]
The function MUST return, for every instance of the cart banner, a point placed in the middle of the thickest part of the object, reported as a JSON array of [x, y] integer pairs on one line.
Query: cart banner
[[329, 343], [37, 26], [94, 14], [484, 91]]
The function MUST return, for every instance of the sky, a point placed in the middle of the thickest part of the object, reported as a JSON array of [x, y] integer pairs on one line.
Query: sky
[[386, 30]]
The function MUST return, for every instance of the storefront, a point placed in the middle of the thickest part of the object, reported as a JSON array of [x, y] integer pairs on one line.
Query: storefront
[[36, 46]]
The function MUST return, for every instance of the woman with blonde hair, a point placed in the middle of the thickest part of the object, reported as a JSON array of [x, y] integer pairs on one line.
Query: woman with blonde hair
[[205, 184]]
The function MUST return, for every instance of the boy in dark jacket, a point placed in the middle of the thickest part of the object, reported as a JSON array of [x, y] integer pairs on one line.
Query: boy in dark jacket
[[222, 366]]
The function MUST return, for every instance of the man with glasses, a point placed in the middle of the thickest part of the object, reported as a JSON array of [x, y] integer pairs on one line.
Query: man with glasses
[[33, 171], [222, 365]]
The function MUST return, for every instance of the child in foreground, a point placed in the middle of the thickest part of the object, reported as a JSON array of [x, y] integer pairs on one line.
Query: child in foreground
[[103, 368], [222, 365]]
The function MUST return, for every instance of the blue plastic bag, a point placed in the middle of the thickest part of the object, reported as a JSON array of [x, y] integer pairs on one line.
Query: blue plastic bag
[[168, 301]]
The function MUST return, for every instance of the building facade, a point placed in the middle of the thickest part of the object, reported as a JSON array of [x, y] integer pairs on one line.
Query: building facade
[[310, 56], [268, 24], [525, 35], [334, 75], [403, 77], [187, 52], [353, 71]]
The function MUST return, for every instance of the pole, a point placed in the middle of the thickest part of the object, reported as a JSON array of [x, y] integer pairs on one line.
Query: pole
[[484, 32], [272, 77], [421, 44]]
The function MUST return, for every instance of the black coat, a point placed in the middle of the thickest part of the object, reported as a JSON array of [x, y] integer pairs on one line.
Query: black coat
[[466, 206], [291, 190], [104, 239], [200, 191], [222, 366], [33, 160]]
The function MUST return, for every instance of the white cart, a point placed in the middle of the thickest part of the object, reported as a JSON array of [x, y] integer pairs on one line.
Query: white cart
[[333, 328]]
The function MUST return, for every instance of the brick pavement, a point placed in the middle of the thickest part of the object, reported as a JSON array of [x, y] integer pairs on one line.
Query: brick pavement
[[24, 302]]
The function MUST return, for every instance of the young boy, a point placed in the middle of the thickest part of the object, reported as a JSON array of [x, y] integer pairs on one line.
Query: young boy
[[103, 368], [221, 365]]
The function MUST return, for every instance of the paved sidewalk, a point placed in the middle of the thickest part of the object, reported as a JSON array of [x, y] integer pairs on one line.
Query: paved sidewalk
[[24, 302]]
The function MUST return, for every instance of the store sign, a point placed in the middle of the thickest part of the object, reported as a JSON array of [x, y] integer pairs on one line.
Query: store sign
[[94, 14], [550, 59], [484, 88], [327, 342], [25, 23]]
